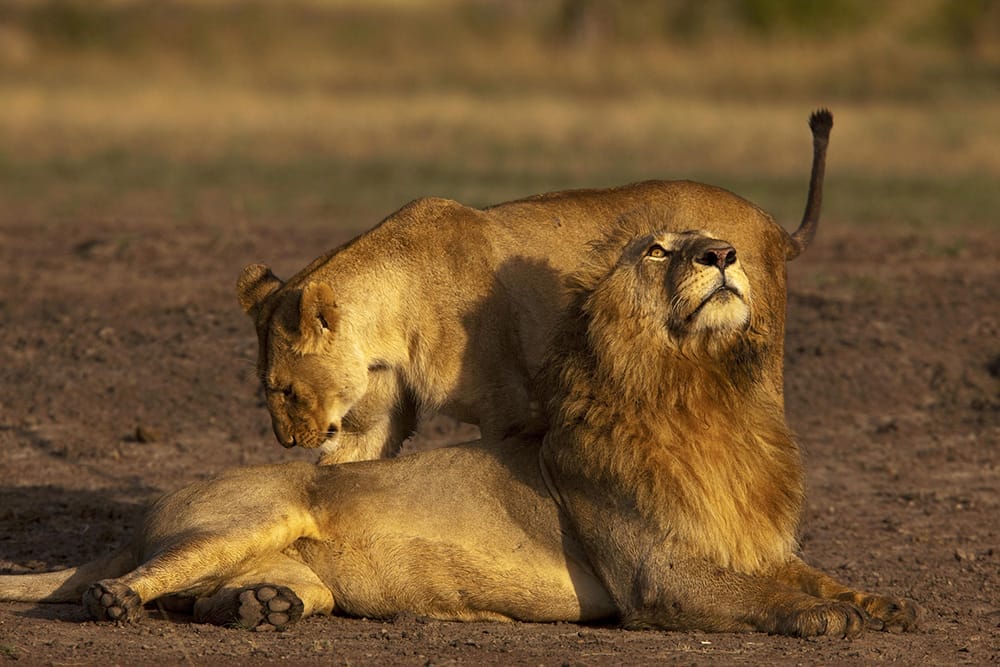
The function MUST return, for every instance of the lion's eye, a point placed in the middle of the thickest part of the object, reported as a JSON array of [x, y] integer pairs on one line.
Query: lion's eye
[[656, 251]]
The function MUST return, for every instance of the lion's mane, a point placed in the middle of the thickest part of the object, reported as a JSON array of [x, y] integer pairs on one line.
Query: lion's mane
[[680, 430]]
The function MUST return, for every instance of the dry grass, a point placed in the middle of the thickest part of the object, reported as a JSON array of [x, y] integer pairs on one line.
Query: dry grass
[[324, 108]]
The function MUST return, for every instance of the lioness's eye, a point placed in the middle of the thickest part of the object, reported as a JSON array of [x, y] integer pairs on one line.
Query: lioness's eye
[[287, 392], [656, 251]]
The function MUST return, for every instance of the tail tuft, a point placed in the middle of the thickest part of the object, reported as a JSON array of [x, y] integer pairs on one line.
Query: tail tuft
[[821, 122]]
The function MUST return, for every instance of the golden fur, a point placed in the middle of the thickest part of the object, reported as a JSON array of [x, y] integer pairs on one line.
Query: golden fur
[[665, 494], [697, 435], [447, 308]]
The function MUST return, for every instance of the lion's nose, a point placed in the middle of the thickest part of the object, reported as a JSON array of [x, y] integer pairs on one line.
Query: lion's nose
[[332, 430], [721, 256]]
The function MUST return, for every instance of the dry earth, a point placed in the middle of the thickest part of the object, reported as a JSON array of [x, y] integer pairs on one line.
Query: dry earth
[[126, 370]]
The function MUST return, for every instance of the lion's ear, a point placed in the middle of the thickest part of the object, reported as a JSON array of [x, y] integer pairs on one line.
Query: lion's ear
[[318, 312], [256, 283]]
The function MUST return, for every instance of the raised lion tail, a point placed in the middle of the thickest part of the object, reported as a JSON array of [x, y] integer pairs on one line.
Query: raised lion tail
[[820, 122], [64, 585]]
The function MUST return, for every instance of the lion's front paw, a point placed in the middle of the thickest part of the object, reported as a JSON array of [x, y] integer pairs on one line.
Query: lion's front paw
[[828, 618], [110, 600], [889, 614], [267, 607]]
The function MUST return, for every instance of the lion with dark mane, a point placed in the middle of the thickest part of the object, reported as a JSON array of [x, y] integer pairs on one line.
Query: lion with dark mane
[[665, 494]]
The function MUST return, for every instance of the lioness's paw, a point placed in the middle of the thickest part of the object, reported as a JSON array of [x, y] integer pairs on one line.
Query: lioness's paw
[[831, 619], [267, 607], [889, 614], [110, 600]]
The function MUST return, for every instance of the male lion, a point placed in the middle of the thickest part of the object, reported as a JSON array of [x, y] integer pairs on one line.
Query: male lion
[[666, 493], [447, 308]]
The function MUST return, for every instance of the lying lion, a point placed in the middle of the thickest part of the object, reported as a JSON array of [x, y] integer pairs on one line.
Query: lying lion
[[666, 493], [446, 308]]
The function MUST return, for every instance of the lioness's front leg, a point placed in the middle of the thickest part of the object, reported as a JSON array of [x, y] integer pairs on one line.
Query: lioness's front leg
[[887, 613], [379, 439], [374, 429]]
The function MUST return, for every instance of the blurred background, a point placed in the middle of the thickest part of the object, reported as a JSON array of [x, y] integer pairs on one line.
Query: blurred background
[[334, 113]]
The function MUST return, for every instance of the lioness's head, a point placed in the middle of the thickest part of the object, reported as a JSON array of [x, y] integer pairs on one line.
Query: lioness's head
[[312, 370]]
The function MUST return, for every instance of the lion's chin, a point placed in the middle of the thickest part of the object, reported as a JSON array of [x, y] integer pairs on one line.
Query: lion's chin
[[723, 310]]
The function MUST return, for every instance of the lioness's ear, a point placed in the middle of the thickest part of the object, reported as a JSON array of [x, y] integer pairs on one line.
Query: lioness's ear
[[256, 283], [318, 311]]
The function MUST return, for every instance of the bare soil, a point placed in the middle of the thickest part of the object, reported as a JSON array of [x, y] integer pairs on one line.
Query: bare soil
[[126, 369]]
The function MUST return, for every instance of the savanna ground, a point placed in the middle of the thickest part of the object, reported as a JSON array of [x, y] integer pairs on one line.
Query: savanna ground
[[149, 151]]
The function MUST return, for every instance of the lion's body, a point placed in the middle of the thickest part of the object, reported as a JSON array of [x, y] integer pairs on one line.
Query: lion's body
[[484, 542], [446, 308]]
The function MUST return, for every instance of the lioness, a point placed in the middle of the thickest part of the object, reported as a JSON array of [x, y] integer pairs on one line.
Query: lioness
[[666, 493], [446, 308]]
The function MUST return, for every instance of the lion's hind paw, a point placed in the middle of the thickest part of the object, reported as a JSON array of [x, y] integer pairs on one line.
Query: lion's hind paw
[[265, 607], [112, 601]]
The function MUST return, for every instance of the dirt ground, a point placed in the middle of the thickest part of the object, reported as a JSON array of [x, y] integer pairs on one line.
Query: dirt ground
[[127, 370]]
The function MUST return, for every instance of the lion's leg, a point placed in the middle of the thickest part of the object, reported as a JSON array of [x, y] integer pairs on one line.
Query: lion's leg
[[686, 594], [382, 439], [110, 600], [195, 565], [276, 592], [888, 613], [209, 533]]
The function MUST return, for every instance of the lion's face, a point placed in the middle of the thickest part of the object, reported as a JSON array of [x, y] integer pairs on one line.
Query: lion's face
[[313, 371], [706, 283], [698, 277], [669, 300]]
